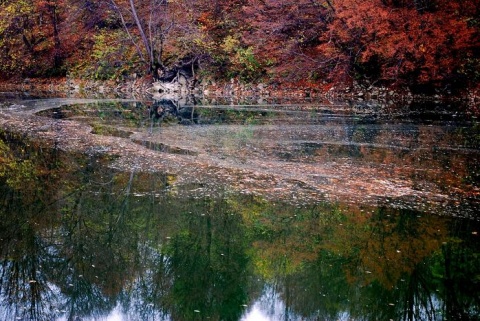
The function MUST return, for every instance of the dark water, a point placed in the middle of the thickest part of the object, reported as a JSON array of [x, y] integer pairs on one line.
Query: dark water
[[81, 239]]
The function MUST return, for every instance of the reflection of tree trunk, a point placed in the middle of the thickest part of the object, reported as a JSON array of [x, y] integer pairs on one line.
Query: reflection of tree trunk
[[427, 302], [410, 299], [209, 235], [127, 196], [287, 298], [451, 303], [449, 298], [419, 298]]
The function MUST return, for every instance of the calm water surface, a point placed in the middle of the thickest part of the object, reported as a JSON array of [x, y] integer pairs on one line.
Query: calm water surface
[[259, 213]]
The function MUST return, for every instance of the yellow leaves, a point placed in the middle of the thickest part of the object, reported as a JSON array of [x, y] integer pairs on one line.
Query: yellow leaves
[[230, 44], [4, 158], [16, 8], [281, 258], [109, 50], [22, 174], [251, 210], [23, 35], [242, 60], [170, 179], [18, 173]]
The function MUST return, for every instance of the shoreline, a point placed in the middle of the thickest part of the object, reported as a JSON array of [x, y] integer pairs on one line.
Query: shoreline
[[208, 89]]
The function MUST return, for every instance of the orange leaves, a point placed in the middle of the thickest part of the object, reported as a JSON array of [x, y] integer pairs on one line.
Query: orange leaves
[[402, 43], [206, 20], [381, 40]]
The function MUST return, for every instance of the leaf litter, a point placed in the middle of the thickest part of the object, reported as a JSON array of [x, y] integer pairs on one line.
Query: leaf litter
[[336, 160]]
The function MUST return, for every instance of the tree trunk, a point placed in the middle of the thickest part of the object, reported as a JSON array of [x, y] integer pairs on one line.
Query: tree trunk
[[57, 50], [146, 42]]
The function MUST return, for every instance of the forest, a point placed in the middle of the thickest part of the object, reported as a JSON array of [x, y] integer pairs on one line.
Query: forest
[[415, 44]]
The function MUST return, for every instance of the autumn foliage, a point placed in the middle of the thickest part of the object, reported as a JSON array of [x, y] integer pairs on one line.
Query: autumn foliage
[[385, 42]]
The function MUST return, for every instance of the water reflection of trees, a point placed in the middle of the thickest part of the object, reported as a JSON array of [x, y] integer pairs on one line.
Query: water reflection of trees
[[24, 289], [382, 265], [79, 239], [165, 109]]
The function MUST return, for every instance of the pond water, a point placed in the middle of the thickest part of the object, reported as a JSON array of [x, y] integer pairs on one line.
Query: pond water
[[161, 211]]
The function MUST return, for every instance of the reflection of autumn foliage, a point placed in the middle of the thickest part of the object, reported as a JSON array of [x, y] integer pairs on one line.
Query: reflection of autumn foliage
[[384, 262], [18, 169], [285, 237], [382, 246], [106, 238], [388, 246]]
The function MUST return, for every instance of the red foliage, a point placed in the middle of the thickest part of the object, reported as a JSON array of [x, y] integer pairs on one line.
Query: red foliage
[[388, 41], [401, 43]]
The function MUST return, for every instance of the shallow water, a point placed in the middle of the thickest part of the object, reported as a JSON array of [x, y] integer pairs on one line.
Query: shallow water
[[291, 212]]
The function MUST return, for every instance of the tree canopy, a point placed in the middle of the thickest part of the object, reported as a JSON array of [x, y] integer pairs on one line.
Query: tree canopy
[[387, 42]]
